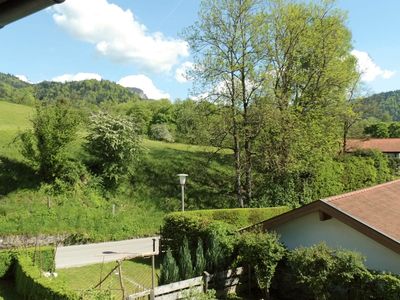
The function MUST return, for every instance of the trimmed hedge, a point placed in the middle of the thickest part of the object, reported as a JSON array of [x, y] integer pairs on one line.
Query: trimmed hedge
[[31, 284], [43, 258], [6, 261], [237, 217]]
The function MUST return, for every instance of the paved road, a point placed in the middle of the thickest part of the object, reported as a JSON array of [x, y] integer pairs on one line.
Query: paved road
[[81, 255]]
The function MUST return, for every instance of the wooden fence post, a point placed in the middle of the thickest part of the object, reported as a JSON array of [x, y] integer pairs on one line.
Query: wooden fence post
[[206, 279]]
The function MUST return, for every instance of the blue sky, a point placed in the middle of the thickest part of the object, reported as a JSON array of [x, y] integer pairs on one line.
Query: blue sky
[[137, 43]]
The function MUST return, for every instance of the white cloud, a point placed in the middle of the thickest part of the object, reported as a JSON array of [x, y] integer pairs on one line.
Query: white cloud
[[77, 77], [23, 78], [181, 73], [117, 34], [369, 69], [145, 84]]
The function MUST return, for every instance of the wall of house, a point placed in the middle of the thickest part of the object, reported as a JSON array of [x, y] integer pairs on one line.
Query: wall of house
[[309, 230]]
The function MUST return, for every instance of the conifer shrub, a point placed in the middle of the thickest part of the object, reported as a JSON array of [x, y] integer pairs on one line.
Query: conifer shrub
[[169, 269], [200, 265], [185, 261]]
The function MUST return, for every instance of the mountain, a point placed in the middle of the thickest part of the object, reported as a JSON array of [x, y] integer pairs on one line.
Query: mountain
[[383, 106], [94, 92]]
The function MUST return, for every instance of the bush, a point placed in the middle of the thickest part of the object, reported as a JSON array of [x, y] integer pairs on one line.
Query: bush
[[261, 251], [178, 226], [160, 132], [200, 265], [169, 269], [322, 273], [185, 261], [115, 145]]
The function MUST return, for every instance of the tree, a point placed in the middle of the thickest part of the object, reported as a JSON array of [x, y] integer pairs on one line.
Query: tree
[[200, 265], [185, 261], [54, 128], [169, 269], [230, 68], [115, 146], [311, 71], [378, 130]]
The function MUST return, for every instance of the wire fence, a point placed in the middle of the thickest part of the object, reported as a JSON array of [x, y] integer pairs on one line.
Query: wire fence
[[121, 278]]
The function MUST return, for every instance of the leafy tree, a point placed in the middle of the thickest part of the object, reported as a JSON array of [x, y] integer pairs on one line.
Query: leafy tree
[[200, 265], [115, 145], [378, 130], [311, 72], [185, 261], [394, 130], [169, 269], [230, 69], [54, 128]]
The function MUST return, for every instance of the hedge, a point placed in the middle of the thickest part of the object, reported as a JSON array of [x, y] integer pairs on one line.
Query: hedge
[[237, 217], [44, 258], [31, 284]]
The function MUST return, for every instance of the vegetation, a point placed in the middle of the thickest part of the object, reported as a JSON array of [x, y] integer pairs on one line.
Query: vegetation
[[261, 251], [169, 271], [115, 145]]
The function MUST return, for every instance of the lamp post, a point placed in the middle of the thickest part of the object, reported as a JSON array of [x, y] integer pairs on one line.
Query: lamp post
[[182, 181]]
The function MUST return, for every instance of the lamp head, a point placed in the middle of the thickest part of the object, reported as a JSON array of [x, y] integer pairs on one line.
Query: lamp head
[[182, 178]]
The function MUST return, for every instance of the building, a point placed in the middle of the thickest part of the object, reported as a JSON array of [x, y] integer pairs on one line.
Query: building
[[388, 146], [12, 10], [366, 221]]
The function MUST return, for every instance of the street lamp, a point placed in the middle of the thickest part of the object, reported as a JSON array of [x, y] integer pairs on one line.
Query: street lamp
[[182, 181]]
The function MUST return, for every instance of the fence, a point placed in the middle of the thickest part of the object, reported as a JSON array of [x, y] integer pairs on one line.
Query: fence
[[230, 281]]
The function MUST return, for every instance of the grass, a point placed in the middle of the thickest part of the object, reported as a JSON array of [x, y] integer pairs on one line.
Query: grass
[[86, 211], [136, 274]]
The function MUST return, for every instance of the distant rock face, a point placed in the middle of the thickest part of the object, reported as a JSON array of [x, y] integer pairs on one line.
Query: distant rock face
[[138, 91]]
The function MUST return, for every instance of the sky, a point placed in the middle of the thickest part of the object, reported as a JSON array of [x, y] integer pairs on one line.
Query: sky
[[137, 43]]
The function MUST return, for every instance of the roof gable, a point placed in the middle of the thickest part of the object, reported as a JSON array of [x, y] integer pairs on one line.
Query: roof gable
[[375, 212]]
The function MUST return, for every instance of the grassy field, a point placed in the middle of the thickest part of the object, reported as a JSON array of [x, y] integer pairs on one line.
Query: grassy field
[[136, 275], [26, 206]]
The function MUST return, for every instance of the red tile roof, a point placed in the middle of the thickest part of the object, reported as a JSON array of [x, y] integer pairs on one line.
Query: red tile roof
[[384, 145], [374, 211], [377, 207]]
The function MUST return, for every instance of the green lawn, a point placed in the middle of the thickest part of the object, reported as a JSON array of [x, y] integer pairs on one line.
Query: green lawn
[[136, 276]]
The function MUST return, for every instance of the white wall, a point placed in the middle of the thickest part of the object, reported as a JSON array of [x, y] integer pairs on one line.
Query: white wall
[[309, 230]]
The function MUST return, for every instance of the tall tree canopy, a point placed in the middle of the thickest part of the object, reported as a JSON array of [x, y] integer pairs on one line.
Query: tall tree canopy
[[279, 71]]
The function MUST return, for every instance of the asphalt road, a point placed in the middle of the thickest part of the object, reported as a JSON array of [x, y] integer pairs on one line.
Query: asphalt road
[[81, 255]]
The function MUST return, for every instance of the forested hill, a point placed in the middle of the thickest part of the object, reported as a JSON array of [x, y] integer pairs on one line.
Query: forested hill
[[383, 106], [15, 90]]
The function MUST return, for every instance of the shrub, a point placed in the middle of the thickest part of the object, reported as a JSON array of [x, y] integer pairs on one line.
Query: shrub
[[326, 272], [262, 251], [115, 145], [169, 269], [200, 265], [160, 132], [383, 286], [185, 261]]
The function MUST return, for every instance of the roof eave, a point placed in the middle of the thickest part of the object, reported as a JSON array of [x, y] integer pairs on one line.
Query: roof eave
[[11, 10]]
